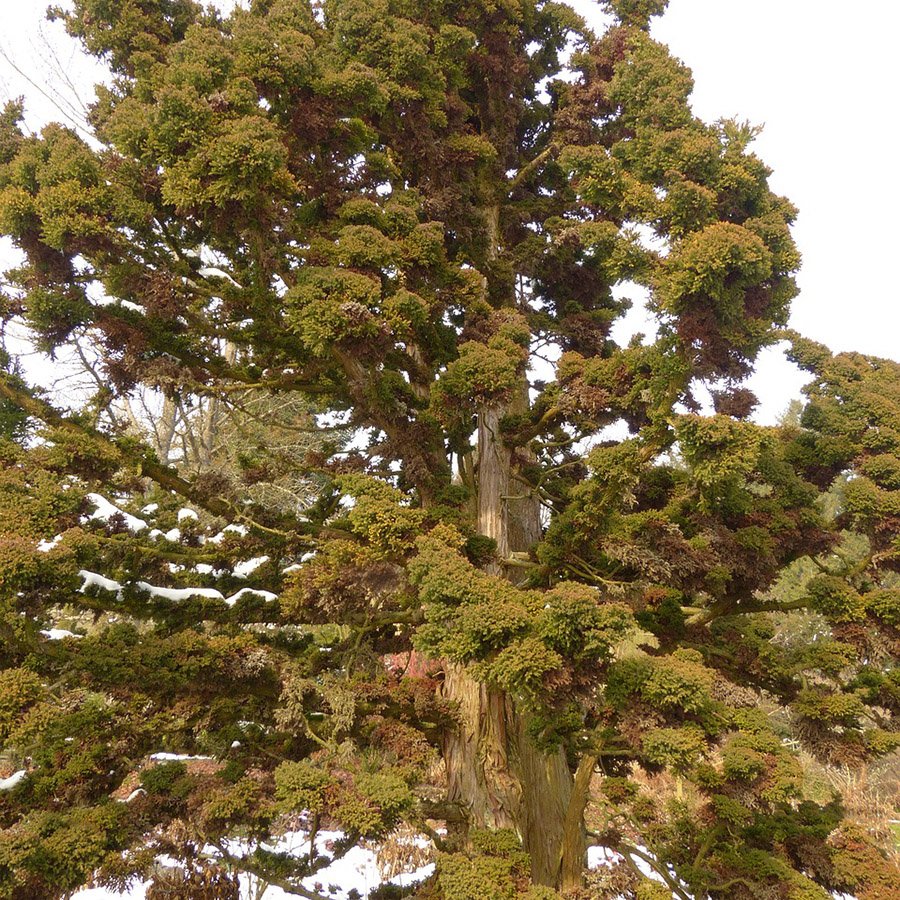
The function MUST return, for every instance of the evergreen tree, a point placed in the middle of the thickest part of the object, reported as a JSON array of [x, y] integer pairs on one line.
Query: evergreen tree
[[491, 613]]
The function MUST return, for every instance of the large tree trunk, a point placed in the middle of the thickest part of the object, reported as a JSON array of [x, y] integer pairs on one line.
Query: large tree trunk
[[502, 779], [494, 769]]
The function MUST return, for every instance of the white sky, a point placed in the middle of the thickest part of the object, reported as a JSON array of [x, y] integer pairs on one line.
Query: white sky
[[822, 77]]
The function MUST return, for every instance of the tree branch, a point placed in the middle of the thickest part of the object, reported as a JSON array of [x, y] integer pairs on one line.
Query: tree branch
[[530, 167], [165, 476]]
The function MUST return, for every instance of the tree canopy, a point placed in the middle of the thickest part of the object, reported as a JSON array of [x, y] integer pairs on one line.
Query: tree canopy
[[402, 536]]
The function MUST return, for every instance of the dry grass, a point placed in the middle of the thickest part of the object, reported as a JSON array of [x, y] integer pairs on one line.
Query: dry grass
[[871, 796], [402, 852]]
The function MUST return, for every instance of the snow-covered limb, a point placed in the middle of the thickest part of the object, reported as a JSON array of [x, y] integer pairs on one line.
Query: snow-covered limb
[[179, 593], [240, 530], [174, 757], [92, 579], [105, 511], [243, 569], [215, 272], [268, 596]]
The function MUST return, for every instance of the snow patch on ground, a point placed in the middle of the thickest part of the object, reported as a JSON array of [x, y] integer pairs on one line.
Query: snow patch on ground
[[57, 634], [357, 871], [47, 546], [7, 784]]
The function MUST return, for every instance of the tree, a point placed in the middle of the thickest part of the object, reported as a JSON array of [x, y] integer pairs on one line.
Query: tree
[[413, 219]]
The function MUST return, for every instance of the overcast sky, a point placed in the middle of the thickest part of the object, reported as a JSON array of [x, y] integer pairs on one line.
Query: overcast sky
[[820, 75]]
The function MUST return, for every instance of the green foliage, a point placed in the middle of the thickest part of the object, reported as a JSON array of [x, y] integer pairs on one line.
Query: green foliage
[[367, 806], [300, 785], [721, 453], [19, 689], [516, 638], [521, 666], [761, 760], [164, 778], [374, 807], [652, 890], [380, 516], [833, 708], [835, 599], [678, 748], [496, 869], [884, 603], [331, 305], [57, 850], [859, 865]]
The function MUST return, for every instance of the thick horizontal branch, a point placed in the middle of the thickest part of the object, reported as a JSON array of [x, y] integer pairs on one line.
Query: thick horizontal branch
[[165, 476], [733, 608]]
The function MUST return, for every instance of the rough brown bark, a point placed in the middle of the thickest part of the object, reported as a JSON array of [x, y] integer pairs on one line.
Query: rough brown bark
[[502, 779], [573, 846], [495, 770], [493, 483], [508, 510]]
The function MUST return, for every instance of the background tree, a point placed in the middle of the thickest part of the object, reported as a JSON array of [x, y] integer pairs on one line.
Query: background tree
[[413, 219]]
